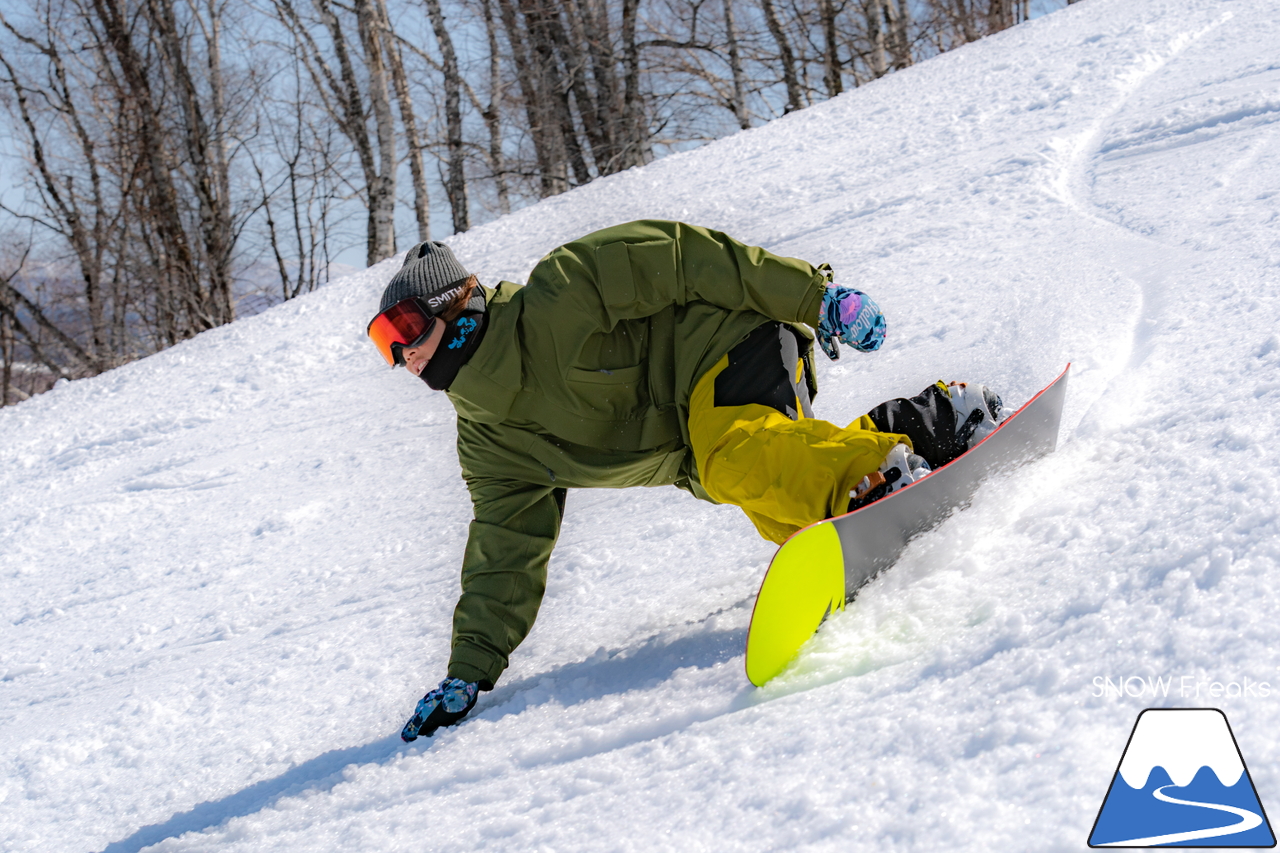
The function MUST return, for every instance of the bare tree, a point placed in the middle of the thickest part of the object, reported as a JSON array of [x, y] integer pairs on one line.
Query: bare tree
[[549, 154], [900, 27], [491, 114], [956, 22], [203, 135], [831, 49], [184, 303], [303, 186], [591, 25], [543, 28], [126, 120], [738, 104], [408, 118], [85, 222], [7, 351], [381, 180], [456, 185], [877, 57], [635, 147], [795, 100], [347, 105], [14, 304]]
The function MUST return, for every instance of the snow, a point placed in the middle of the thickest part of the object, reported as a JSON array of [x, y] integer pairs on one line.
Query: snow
[[226, 571]]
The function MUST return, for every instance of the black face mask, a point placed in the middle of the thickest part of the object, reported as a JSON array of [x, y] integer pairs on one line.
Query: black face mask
[[461, 337]]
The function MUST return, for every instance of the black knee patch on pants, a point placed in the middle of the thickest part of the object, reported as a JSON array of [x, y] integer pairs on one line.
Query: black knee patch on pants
[[928, 419], [762, 370]]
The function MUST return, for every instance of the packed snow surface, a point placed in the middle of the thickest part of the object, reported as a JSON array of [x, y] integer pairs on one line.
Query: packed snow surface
[[227, 571]]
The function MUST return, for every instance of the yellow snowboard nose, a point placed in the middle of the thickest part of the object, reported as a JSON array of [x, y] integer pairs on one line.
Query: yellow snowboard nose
[[805, 583]]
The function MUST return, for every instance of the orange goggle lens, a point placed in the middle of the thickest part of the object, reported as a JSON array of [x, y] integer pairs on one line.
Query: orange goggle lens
[[404, 325]]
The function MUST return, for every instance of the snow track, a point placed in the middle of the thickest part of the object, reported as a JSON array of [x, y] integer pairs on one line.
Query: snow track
[[226, 571], [1140, 258]]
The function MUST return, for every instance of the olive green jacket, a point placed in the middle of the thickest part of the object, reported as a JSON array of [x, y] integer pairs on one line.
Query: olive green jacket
[[583, 380]]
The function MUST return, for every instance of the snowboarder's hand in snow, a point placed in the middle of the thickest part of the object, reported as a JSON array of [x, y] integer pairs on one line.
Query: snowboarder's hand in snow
[[444, 705], [850, 316]]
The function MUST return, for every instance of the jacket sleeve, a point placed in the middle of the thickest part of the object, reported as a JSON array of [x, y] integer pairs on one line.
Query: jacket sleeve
[[639, 268], [504, 574]]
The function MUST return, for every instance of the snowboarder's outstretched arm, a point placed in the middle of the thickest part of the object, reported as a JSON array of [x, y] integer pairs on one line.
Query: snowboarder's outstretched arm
[[504, 573]]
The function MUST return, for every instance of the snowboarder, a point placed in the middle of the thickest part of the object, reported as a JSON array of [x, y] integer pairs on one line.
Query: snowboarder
[[650, 353]]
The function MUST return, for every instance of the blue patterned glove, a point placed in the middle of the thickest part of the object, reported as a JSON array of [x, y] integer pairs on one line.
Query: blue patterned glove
[[850, 316], [442, 706]]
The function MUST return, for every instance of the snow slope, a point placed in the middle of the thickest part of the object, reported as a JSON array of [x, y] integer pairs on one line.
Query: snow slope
[[226, 571]]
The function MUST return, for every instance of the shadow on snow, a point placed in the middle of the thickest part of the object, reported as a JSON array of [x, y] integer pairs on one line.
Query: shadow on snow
[[603, 674]]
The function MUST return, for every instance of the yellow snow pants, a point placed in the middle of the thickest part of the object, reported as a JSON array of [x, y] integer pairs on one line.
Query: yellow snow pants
[[785, 474]]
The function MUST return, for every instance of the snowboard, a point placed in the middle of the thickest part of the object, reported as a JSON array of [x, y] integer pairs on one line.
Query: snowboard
[[821, 567]]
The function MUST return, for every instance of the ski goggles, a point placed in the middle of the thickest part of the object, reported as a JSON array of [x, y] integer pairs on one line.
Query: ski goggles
[[405, 325]]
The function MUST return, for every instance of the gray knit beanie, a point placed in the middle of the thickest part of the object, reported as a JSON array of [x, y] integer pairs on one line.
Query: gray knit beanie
[[430, 272]]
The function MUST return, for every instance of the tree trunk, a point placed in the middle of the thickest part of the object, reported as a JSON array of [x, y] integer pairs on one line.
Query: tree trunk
[[83, 230], [492, 117], [550, 167], [831, 53], [964, 19], [636, 125], [735, 68], [795, 99], [349, 115], [876, 58], [205, 154], [181, 299], [999, 15], [901, 36], [552, 83], [408, 118], [382, 186], [11, 299], [223, 237], [6, 357], [595, 22], [568, 48], [456, 185]]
